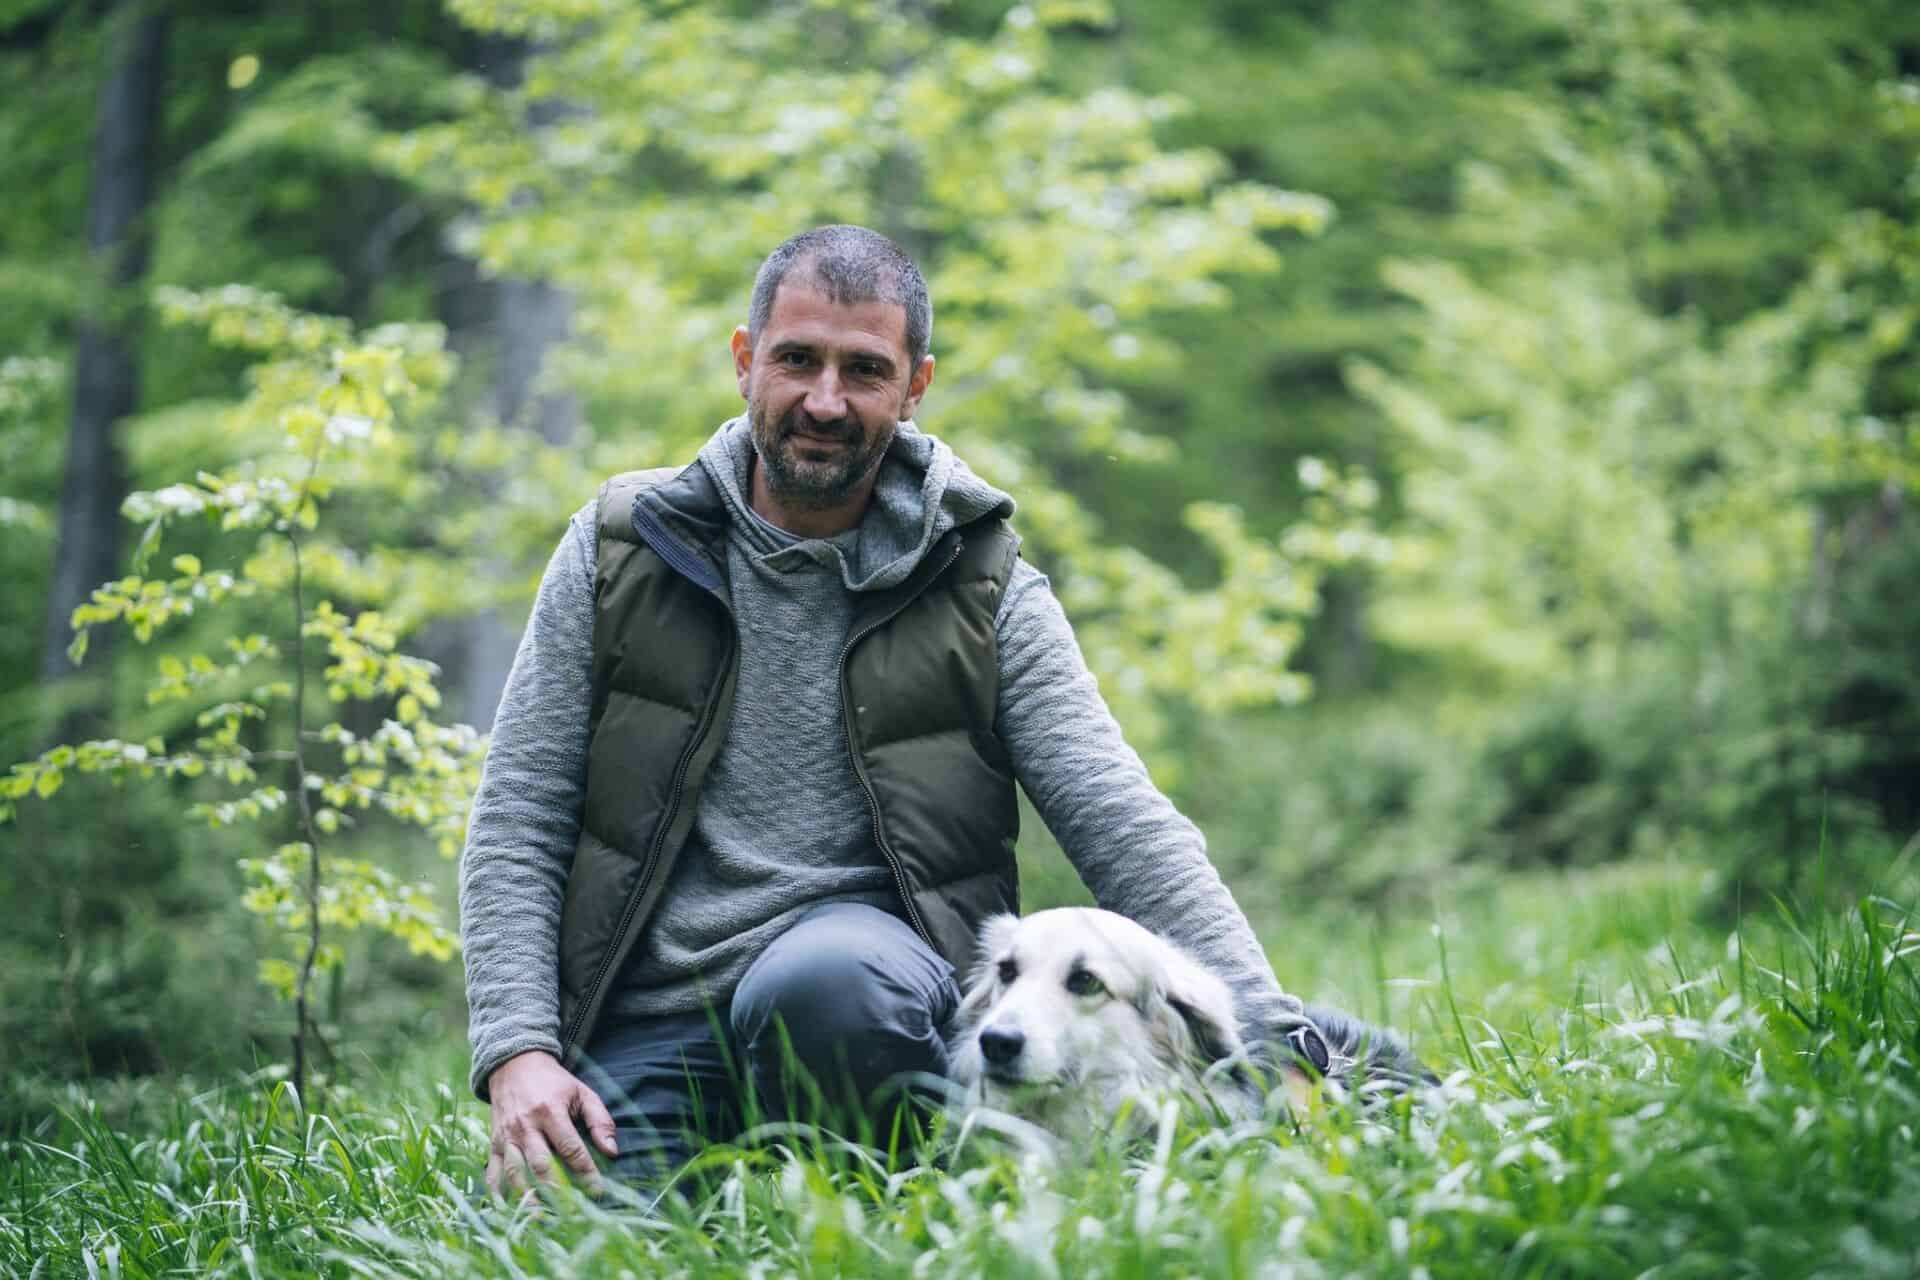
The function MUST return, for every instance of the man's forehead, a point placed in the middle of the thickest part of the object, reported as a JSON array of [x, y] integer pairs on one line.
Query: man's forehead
[[803, 312]]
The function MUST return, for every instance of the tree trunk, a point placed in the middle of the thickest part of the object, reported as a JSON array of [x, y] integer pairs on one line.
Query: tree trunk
[[106, 348], [529, 319]]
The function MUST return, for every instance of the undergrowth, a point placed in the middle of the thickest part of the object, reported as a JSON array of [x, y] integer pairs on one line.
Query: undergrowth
[[1627, 1093]]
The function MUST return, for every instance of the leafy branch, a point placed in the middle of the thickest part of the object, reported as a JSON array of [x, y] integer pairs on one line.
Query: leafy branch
[[334, 400]]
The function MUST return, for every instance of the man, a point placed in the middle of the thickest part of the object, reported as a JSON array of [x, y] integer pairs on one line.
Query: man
[[750, 790]]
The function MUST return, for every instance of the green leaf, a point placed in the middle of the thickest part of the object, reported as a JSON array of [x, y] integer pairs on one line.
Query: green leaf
[[49, 781], [149, 543], [77, 649], [279, 975], [188, 566]]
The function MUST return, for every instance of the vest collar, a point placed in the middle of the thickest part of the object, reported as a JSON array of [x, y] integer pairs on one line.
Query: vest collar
[[874, 607], [685, 521]]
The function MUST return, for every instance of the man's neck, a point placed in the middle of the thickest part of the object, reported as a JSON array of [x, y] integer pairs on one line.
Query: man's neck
[[807, 521]]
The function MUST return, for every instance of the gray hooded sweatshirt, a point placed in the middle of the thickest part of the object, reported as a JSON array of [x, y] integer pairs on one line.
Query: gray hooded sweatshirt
[[780, 825]]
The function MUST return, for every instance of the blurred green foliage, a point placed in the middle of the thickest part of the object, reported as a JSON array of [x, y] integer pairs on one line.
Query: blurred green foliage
[[1531, 382]]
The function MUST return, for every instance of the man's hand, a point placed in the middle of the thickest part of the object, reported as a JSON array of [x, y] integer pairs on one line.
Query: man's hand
[[538, 1109]]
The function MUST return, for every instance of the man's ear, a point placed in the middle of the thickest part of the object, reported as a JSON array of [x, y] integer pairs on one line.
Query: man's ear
[[917, 386], [742, 346]]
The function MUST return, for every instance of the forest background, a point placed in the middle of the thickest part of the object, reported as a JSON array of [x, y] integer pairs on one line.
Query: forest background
[[1471, 439]]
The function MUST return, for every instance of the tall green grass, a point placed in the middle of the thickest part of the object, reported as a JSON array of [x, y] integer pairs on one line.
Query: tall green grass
[[1628, 1093]]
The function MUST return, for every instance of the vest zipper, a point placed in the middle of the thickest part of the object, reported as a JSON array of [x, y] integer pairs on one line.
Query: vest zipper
[[591, 994], [847, 712]]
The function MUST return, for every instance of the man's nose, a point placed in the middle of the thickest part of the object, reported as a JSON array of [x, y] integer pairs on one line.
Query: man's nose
[[1001, 1045], [826, 398]]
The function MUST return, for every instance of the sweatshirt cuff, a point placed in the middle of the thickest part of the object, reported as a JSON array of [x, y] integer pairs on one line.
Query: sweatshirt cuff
[[1268, 1018], [497, 1052]]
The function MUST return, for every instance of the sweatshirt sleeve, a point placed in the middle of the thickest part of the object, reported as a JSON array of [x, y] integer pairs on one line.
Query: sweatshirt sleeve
[[526, 818], [1136, 853]]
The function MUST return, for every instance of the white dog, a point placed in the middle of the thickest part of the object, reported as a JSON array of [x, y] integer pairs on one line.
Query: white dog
[[1073, 1013]]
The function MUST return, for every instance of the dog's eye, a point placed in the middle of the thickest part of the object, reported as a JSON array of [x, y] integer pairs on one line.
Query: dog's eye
[[1081, 982], [1008, 971]]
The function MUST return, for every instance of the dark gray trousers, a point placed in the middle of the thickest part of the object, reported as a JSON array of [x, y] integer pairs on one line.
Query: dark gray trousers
[[820, 1027]]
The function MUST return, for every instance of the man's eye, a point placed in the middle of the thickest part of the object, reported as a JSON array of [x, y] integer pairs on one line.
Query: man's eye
[[793, 359], [1082, 983], [1008, 971]]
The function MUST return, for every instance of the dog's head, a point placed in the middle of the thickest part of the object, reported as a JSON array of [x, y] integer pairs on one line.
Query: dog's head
[[1089, 1002]]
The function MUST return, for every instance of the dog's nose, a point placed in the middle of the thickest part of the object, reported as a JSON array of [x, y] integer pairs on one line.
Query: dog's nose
[[1000, 1045]]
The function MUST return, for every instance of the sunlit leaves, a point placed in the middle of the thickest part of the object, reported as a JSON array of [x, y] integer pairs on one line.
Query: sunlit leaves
[[354, 893], [109, 757], [252, 320], [27, 385], [1582, 473], [181, 678], [1156, 640], [145, 605], [1055, 228], [415, 770], [407, 585], [331, 392], [250, 807], [539, 19]]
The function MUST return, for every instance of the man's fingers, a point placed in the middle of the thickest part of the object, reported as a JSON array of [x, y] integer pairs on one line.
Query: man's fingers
[[573, 1152], [493, 1175], [541, 1120], [512, 1175], [597, 1119], [529, 1155]]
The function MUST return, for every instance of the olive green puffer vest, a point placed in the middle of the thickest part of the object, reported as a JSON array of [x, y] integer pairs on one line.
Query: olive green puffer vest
[[919, 681]]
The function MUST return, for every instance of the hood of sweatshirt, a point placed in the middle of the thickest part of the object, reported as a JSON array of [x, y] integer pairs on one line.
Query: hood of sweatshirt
[[922, 491]]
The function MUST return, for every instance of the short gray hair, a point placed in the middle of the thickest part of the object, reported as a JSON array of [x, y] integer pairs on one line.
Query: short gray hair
[[849, 264]]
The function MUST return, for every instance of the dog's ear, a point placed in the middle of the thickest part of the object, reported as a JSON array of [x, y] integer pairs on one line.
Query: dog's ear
[[995, 933], [1205, 1009]]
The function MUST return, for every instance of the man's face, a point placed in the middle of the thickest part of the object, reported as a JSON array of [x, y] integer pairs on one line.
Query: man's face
[[825, 386]]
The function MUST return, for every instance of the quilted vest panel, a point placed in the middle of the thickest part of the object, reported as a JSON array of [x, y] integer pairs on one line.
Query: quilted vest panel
[[921, 694]]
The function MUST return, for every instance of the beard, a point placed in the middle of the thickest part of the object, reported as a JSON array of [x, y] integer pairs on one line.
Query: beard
[[810, 481]]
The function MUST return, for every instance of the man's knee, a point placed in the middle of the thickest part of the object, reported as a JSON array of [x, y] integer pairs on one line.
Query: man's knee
[[815, 996], [852, 994]]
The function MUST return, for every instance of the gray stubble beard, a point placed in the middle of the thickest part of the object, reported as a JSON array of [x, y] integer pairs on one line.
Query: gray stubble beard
[[803, 485]]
